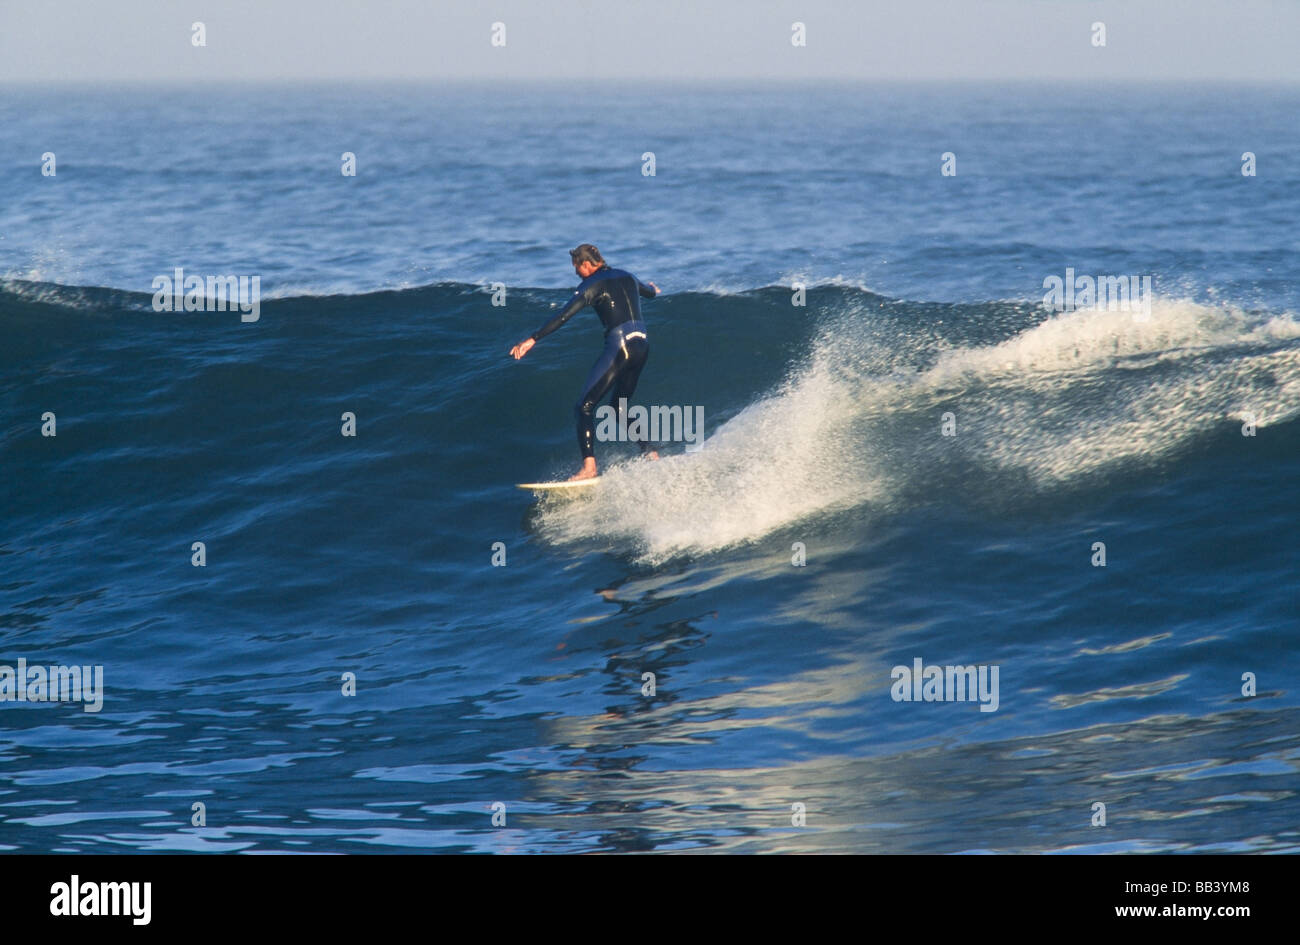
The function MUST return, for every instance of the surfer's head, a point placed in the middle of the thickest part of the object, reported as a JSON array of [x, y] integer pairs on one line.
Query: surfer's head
[[586, 259]]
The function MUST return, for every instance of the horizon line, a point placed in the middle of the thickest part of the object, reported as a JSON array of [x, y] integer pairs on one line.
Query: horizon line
[[655, 79]]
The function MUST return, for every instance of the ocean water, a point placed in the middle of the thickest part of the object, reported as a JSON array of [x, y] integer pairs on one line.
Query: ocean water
[[516, 691]]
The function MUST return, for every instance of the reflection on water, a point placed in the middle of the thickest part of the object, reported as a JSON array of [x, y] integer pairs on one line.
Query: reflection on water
[[719, 757]]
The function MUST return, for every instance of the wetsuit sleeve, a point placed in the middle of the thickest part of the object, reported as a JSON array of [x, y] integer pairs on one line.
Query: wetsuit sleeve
[[645, 290], [576, 305]]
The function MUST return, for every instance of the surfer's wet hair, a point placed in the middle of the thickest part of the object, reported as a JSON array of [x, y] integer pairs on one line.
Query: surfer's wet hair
[[586, 253]]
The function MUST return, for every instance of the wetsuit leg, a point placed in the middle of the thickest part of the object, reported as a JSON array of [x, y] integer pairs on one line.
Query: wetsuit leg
[[638, 350], [599, 381]]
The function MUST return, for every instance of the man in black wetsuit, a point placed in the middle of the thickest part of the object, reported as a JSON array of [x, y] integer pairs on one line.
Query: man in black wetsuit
[[613, 294]]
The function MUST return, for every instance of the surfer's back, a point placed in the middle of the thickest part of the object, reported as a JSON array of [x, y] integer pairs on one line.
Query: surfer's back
[[615, 295]]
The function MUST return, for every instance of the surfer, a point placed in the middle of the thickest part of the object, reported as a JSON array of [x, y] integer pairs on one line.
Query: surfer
[[613, 294]]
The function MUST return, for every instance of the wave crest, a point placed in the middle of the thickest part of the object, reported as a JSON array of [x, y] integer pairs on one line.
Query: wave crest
[[860, 422]]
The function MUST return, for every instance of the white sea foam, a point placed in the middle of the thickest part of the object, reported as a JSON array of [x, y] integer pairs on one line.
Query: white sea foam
[[1069, 398]]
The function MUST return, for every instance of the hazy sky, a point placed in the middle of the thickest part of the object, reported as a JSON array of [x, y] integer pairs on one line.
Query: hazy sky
[[664, 39]]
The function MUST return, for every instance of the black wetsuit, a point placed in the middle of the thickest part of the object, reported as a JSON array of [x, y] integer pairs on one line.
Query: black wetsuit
[[613, 294]]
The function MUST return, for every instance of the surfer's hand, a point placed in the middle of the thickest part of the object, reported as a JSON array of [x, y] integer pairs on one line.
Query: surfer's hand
[[653, 286], [521, 349]]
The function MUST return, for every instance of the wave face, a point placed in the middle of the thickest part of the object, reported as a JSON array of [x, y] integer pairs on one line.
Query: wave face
[[824, 438]]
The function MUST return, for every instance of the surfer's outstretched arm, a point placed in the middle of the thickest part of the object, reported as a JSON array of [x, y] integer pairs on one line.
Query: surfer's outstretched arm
[[648, 290], [576, 304]]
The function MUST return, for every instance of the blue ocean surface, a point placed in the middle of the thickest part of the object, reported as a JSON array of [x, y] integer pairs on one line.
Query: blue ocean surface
[[922, 461]]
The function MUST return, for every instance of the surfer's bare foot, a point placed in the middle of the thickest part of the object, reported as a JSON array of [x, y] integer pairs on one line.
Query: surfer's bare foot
[[588, 470], [652, 455]]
